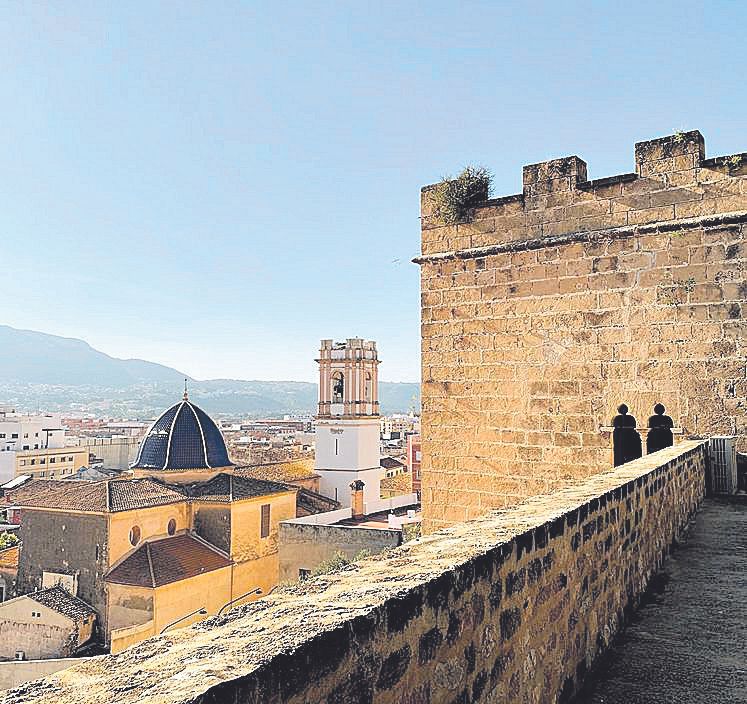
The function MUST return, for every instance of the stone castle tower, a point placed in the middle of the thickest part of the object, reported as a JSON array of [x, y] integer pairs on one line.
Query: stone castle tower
[[347, 425]]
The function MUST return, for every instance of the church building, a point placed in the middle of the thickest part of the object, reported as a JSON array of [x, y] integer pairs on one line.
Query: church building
[[347, 423]]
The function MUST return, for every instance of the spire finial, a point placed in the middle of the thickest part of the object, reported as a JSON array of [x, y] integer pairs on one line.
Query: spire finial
[[186, 395]]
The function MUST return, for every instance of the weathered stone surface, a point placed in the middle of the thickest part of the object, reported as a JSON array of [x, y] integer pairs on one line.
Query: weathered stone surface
[[554, 306], [424, 622]]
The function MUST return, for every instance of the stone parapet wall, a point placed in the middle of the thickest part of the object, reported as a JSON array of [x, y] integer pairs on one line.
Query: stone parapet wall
[[554, 306], [512, 606], [673, 180]]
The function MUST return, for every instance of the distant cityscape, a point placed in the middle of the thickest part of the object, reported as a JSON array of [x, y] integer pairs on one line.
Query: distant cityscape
[[113, 529]]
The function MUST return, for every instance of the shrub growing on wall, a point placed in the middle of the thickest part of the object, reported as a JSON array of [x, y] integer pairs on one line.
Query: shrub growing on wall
[[454, 198]]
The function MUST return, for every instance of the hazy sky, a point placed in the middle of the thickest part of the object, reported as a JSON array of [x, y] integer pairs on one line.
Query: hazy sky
[[216, 186]]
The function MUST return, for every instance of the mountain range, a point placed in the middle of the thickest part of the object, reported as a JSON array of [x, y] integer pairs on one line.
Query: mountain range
[[41, 371]]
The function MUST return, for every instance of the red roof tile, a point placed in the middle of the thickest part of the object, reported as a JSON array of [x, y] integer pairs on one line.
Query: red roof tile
[[99, 496], [168, 560]]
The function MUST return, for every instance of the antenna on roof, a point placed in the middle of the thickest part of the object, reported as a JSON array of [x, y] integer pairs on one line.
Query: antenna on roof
[[186, 395]]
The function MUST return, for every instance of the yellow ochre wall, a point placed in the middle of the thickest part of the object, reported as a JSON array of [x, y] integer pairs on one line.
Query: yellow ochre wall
[[209, 591], [256, 558], [151, 521]]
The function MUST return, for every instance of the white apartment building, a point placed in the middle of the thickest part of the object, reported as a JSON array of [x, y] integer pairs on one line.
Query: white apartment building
[[35, 445]]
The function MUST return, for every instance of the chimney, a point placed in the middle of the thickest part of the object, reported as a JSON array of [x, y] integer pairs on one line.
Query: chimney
[[356, 502]]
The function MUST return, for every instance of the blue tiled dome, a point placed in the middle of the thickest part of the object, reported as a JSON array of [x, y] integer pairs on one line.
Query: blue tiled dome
[[184, 437]]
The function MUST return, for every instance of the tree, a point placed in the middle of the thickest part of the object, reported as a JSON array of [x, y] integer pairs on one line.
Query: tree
[[8, 540]]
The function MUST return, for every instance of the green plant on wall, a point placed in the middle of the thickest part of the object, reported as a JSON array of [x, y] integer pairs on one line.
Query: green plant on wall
[[733, 162], [339, 562], [453, 199]]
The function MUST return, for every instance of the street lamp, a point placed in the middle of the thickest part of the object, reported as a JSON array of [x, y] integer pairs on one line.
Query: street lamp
[[238, 598], [202, 612]]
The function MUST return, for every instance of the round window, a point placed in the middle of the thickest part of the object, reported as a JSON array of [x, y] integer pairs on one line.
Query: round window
[[172, 526], [135, 535]]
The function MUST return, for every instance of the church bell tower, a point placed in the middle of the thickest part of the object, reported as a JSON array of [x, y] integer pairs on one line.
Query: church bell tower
[[347, 423]]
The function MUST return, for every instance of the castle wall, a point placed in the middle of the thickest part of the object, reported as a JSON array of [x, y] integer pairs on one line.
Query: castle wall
[[554, 306]]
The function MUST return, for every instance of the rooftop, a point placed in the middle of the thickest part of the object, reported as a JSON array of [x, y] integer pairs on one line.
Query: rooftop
[[289, 471], [168, 560], [380, 519], [97, 497], [63, 602], [9, 558], [226, 487]]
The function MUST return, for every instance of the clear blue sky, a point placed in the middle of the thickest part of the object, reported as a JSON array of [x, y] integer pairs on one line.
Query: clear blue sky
[[217, 186]]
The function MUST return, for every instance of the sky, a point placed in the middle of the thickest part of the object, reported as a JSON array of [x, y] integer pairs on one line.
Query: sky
[[218, 186]]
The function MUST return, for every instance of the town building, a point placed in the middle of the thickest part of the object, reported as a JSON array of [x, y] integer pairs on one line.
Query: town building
[[50, 623], [36, 445], [147, 555], [118, 452], [352, 532], [347, 423]]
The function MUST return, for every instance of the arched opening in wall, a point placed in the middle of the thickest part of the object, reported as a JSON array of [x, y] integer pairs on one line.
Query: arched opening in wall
[[367, 389], [171, 528], [134, 535], [338, 387]]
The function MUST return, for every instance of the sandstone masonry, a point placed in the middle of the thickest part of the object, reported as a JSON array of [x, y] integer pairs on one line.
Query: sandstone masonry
[[513, 606], [554, 305]]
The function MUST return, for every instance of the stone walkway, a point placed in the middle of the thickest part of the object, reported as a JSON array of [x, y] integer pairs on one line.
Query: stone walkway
[[688, 642]]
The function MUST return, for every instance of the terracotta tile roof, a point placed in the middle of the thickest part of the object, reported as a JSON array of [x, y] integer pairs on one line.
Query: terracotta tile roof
[[226, 488], [128, 494], [399, 483], [290, 471], [9, 558], [390, 463], [102, 496], [60, 600], [168, 560]]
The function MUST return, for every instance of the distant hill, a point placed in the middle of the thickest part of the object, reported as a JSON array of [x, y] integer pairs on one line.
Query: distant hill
[[65, 374], [28, 357]]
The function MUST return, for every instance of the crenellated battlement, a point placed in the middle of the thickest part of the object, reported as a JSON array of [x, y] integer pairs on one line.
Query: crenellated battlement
[[672, 180]]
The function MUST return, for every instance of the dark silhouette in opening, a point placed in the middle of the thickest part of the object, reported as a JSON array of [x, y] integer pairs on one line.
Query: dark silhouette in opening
[[660, 430], [626, 440]]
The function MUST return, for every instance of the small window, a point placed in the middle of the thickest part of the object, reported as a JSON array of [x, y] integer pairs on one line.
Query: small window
[[304, 574], [14, 436], [171, 528], [52, 460], [25, 435], [42, 461], [264, 530], [134, 535], [2, 435]]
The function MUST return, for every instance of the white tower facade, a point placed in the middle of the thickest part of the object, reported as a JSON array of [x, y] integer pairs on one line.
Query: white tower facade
[[347, 424]]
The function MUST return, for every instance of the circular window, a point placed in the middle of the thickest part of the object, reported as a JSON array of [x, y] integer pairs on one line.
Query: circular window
[[172, 526], [134, 535]]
